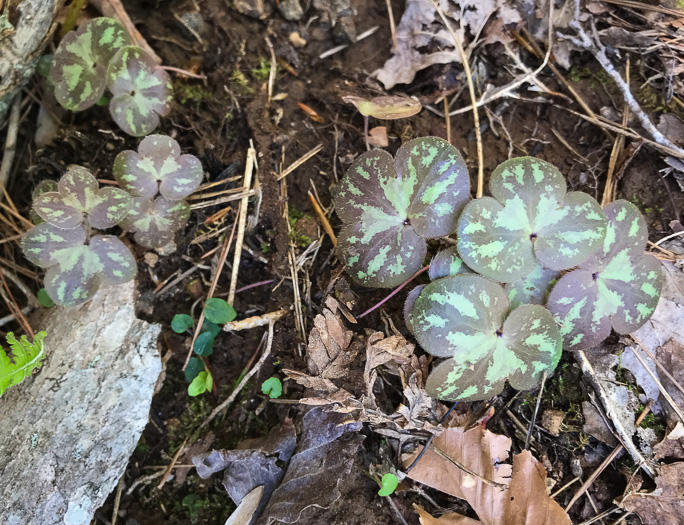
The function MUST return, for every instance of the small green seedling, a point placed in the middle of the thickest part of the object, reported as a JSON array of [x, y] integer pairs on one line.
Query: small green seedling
[[24, 358], [390, 206], [388, 485], [218, 311], [201, 384], [193, 504], [181, 323], [272, 387], [44, 298]]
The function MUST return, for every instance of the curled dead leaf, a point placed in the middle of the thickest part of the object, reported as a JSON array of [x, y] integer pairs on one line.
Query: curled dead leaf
[[666, 503], [389, 107]]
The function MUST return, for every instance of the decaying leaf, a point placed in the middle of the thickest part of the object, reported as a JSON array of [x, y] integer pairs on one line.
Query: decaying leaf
[[381, 350], [141, 91], [390, 206], [448, 518], [377, 137], [672, 445], [158, 167], [389, 107], [523, 498], [464, 318], [666, 503], [80, 63], [618, 286], [530, 220]]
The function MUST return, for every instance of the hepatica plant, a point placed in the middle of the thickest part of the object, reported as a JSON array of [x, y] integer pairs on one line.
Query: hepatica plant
[[555, 270]]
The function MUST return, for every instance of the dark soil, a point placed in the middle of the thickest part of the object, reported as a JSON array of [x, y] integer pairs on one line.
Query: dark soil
[[215, 120]]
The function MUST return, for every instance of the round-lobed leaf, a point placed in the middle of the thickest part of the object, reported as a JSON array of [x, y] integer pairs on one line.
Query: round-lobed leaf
[[195, 366], [389, 206], [464, 318], [204, 344], [118, 263], [272, 387], [532, 289], [158, 166], [408, 305], [218, 311], [79, 66], [155, 222], [43, 244], [141, 91], [181, 323], [619, 286], [212, 328], [530, 220], [447, 263], [79, 199]]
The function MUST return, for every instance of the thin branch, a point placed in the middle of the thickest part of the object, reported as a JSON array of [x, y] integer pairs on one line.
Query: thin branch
[[394, 292], [10, 142]]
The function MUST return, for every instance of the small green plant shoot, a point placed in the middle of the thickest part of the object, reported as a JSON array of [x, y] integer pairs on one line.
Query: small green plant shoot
[[498, 307], [388, 484], [272, 387], [24, 358]]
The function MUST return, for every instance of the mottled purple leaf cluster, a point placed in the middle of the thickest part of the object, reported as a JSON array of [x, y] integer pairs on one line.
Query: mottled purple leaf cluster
[[555, 270], [99, 56]]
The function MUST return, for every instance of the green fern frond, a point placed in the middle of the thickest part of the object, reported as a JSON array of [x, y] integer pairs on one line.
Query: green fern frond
[[26, 357]]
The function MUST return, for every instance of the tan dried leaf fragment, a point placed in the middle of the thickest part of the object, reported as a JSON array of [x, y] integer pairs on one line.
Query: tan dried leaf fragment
[[391, 107], [666, 503], [523, 501]]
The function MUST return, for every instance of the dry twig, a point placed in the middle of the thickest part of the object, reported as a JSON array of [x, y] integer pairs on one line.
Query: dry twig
[[10, 143]]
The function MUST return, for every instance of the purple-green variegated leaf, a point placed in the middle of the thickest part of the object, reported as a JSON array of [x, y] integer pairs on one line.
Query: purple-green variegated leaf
[[464, 318], [410, 302], [78, 199], [118, 263], [44, 244], [530, 220], [141, 91], [79, 66], [43, 186], [388, 205], [76, 280], [618, 287], [155, 221], [158, 166], [532, 289], [446, 263], [392, 253]]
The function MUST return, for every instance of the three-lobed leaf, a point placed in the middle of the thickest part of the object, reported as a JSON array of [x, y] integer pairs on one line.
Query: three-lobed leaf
[[79, 199], [158, 167], [464, 319], [79, 66], [617, 287], [530, 220], [155, 221], [141, 91], [24, 358], [389, 206]]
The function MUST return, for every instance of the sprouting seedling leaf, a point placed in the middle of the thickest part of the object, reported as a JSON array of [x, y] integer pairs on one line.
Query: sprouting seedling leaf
[[24, 358], [464, 318], [619, 286], [158, 166], [390, 206], [155, 222], [530, 220], [218, 311], [79, 199], [75, 266], [532, 289], [181, 323], [201, 384], [272, 387], [390, 107], [79, 67], [446, 263], [141, 91], [388, 484], [204, 344], [44, 299], [195, 366]]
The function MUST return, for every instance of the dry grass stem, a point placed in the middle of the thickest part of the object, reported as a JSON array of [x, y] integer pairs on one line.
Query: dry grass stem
[[10, 142], [324, 220], [255, 321], [174, 460], [341, 47], [299, 162], [611, 186]]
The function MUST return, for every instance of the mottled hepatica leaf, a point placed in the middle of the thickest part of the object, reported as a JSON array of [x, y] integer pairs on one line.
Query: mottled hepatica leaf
[[158, 166], [44, 186], [155, 221], [530, 220], [79, 67], [464, 318], [619, 286], [78, 199], [389, 206], [447, 263], [76, 267], [141, 91], [532, 289]]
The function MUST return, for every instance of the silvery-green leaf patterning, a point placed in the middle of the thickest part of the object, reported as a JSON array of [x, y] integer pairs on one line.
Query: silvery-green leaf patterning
[[532, 289], [464, 319], [79, 67], [79, 199], [390, 206], [77, 266], [619, 286], [158, 166], [141, 91], [530, 220], [155, 221], [447, 263]]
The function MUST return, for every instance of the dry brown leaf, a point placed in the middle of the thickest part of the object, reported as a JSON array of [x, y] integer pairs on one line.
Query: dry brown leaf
[[523, 501], [381, 350], [328, 391], [390, 107], [672, 445], [450, 518], [377, 137], [665, 505], [331, 349]]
